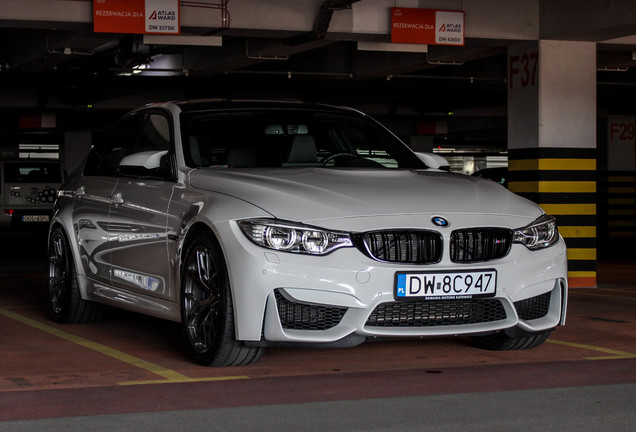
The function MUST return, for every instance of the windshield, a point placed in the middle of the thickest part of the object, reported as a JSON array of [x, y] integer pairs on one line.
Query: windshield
[[290, 138]]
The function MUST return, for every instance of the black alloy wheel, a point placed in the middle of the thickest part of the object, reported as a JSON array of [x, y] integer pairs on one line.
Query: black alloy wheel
[[206, 308], [65, 302]]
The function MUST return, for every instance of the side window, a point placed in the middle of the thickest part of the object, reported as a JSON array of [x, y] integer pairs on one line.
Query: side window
[[121, 142], [155, 134], [94, 159], [139, 132]]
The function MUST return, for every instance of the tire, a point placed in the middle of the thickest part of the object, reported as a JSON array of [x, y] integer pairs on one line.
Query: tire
[[504, 342], [65, 302], [207, 316]]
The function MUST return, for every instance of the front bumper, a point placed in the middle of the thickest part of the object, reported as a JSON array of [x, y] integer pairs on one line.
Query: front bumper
[[531, 295]]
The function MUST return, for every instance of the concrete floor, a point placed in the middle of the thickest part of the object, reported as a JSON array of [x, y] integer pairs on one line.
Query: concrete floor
[[130, 372]]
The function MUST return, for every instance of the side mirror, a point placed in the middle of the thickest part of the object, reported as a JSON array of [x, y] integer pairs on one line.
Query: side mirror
[[147, 164], [434, 161]]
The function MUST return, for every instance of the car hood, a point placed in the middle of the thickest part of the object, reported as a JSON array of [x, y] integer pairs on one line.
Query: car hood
[[312, 194]]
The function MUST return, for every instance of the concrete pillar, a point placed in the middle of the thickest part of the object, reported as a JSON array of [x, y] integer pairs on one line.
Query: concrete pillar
[[552, 141], [77, 144], [617, 187], [421, 143]]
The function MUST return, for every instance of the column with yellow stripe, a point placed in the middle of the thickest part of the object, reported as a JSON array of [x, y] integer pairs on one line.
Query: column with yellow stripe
[[617, 192], [617, 186], [563, 182]]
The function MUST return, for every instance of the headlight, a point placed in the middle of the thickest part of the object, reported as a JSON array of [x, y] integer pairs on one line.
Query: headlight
[[290, 237], [540, 234]]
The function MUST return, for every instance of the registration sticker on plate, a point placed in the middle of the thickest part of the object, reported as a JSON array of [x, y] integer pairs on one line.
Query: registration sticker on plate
[[35, 218], [446, 285]]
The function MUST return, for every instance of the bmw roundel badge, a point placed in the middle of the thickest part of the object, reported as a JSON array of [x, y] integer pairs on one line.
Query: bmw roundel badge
[[440, 222]]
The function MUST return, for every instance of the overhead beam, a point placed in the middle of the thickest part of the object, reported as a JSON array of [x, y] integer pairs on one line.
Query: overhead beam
[[498, 19], [592, 21]]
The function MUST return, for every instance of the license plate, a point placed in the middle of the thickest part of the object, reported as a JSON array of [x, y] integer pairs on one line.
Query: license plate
[[35, 218], [446, 285]]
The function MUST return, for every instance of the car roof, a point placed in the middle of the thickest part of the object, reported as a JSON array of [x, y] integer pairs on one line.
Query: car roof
[[229, 104]]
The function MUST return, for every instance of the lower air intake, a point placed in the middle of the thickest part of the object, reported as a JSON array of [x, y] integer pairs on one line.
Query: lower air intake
[[303, 316], [432, 313], [534, 307]]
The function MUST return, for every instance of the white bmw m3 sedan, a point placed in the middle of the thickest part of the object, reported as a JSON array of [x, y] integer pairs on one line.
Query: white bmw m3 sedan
[[260, 223]]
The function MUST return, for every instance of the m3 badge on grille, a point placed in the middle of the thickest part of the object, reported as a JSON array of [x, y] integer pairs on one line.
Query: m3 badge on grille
[[440, 222]]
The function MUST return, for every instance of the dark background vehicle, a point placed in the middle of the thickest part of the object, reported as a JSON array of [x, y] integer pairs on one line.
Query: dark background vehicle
[[499, 175], [27, 190]]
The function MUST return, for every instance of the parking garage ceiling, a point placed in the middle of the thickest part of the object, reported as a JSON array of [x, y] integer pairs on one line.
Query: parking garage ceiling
[[50, 57]]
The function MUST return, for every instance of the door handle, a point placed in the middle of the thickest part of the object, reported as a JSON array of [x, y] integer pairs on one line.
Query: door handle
[[117, 199]]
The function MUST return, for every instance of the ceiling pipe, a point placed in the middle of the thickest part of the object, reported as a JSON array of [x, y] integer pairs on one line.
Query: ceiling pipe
[[291, 74], [470, 79], [321, 23], [66, 50]]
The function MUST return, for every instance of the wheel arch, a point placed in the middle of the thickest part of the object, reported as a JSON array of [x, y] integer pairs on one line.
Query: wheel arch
[[242, 327], [232, 351], [196, 229]]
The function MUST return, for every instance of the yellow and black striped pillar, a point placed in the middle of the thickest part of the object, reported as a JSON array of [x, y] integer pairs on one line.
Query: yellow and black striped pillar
[[617, 197], [563, 182]]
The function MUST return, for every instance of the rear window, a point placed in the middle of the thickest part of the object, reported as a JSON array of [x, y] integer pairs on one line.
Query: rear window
[[32, 172]]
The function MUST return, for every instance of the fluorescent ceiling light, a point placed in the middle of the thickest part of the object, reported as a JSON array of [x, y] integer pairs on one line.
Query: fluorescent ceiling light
[[183, 40], [393, 47]]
